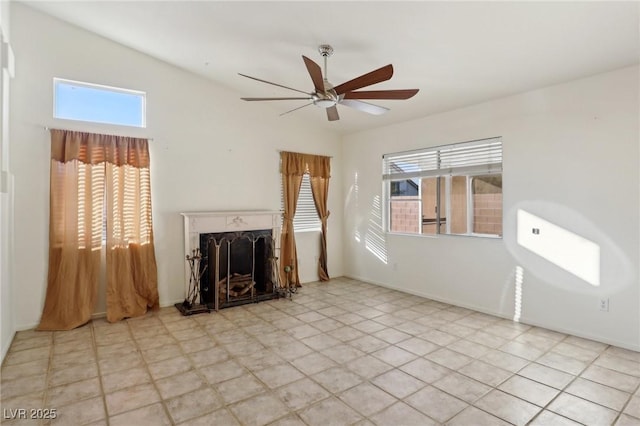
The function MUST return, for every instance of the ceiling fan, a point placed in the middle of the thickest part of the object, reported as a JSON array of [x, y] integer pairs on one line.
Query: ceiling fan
[[326, 96]]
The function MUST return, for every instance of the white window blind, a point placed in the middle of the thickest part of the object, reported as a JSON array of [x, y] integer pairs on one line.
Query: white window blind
[[475, 157], [306, 218]]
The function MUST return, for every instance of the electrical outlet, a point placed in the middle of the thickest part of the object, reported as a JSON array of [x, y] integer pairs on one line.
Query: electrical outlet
[[604, 305]]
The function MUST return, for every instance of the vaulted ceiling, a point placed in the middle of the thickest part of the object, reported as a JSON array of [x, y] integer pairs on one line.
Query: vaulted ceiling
[[456, 53]]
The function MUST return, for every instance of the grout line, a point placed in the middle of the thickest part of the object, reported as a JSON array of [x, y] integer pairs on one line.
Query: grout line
[[94, 346]]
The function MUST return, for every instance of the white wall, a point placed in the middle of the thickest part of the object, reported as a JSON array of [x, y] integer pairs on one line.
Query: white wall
[[570, 156], [7, 326], [210, 150]]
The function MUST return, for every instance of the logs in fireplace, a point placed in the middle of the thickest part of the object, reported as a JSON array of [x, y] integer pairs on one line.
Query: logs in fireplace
[[240, 268]]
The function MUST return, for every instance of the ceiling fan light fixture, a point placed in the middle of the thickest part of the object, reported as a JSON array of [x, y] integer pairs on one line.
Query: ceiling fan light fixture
[[324, 103]]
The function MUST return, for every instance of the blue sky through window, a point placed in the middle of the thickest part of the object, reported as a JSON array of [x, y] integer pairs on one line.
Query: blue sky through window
[[100, 104]]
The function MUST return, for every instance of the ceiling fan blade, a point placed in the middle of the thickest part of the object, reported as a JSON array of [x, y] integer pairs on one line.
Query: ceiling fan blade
[[373, 77], [276, 99], [316, 74], [332, 113], [275, 84], [295, 109], [381, 94], [364, 106]]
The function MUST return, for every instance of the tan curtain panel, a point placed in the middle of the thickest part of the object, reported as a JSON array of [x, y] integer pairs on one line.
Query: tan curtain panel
[[293, 166], [320, 191], [88, 170]]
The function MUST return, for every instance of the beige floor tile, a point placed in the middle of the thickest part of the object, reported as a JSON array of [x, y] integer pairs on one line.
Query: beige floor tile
[[279, 375], [504, 360], [337, 379], [581, 410], [313, 363], [462, 387], [417, 346], [80, 413], [618, 364], [193, 404], [239, 388], [391, 335], [73, 359], [471, 416], [220, 372], [448, 358], [600, 394], [320, 342], [31, 368], [563, 363], [507, 407], [259, 410], [131, 398], [548, 418], [425, 370], [170, 367], [369, 326], [32, 343], [73, 374], [522, 350], [436, 404], [533, 392], [114, 364], [190, 346], [485, 373], [342, 353], [301, 394], [23, 386], [546, 375], [206, 357], [604, 376], [292, 351], [398, 383], [345, 334], [220, 417], [124, 379], [469, 348], [329, 412], [149, 415], [72, 392], [401, 414], [487, 339], [573, 351], [368, 344], [179, 384], [623, 353], [303, 331], [586, 343], [367, 366], [625, 420], [633, 407], [394, 355]]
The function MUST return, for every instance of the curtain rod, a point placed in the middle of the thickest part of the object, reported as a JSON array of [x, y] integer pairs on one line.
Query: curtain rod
[[284, 150], [50, 128]]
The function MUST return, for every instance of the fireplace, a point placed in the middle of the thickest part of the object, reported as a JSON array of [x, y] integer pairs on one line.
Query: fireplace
[[239, 252]]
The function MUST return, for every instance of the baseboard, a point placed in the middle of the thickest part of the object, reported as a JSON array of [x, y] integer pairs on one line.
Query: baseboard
[[523, 320]]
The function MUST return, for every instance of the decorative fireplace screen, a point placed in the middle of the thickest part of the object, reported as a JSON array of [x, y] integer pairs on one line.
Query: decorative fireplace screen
[[240, 268]]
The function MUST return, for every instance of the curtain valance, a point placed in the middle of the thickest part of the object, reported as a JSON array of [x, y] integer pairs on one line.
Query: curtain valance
[[296, 164], [68, 145]]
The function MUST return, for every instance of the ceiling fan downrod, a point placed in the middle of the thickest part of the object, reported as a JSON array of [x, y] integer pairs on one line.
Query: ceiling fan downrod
[[325, 51]]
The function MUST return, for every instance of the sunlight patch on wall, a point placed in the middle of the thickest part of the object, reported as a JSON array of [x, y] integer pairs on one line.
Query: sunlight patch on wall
[[519, 279], [563, 248], [374, 240]]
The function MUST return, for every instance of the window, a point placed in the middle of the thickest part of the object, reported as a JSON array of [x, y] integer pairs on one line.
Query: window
[[74, 100], [450, 189], [306, 218]]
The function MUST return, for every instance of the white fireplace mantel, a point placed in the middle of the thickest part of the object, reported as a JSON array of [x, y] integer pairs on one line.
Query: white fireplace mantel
[[196, 223]]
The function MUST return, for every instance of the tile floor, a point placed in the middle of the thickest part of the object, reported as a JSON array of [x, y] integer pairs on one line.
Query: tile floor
[[337, 354]]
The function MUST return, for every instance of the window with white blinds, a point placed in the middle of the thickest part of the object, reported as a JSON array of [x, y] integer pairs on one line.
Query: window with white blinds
[[451, 189], [306, 218], [477, 157]]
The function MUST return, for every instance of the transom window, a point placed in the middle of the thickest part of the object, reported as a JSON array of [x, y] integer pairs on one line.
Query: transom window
[[75, 100], [449, 189]]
